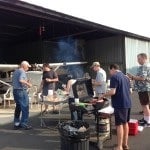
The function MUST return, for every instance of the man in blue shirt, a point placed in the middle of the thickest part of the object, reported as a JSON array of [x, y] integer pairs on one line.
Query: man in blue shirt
[[121, 102], [20, 84]]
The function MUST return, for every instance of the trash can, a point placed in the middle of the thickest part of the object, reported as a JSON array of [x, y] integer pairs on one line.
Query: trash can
[[74, 135]]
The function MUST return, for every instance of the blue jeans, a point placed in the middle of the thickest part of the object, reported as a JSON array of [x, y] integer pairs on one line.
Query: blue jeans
[[22, 106]]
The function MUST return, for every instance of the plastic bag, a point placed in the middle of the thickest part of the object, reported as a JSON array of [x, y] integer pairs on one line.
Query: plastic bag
[[74, 129]]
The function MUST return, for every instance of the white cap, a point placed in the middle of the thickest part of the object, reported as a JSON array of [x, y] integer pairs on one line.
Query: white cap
[[95, 64], [25, 63]]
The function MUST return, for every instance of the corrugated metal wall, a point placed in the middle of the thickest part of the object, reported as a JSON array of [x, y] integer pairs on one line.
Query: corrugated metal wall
[[31, 51], [132, 48], [106, 51]]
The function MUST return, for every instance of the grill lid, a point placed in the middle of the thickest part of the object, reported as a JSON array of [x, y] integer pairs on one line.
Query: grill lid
[[83, 89]]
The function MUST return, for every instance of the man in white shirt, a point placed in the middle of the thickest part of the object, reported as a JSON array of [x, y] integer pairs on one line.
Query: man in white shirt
[[100, 81]]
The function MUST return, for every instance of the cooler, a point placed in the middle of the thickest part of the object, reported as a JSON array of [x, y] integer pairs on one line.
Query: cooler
[[133, 127]]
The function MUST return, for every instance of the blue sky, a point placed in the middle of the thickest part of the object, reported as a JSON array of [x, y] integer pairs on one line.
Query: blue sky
[[128, 15]]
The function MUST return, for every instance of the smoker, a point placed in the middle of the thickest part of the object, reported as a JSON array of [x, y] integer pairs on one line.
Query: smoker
[[83, 90]]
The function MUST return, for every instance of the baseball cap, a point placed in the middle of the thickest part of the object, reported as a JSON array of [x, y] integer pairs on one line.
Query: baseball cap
[[95, 64], [25, 63]]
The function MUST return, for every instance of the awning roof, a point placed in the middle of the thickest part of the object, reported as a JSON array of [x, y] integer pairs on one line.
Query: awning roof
[[21, 21]]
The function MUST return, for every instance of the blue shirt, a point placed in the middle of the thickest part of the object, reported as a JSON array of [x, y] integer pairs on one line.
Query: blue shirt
[[122, 97], [18, 75]]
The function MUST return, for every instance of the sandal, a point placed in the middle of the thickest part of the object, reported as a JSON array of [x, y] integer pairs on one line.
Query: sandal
[[45, 112], [125, 147], [117, 149]]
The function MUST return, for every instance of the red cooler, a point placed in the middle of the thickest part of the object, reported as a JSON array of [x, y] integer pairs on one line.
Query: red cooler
[[133, 127]]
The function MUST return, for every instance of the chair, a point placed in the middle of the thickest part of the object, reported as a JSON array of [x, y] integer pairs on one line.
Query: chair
[[8, 96], [32, 92]]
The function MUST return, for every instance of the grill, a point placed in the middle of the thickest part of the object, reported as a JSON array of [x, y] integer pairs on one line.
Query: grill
[[83, 90]]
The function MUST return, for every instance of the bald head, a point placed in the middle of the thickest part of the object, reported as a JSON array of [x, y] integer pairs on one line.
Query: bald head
[[25, 65]]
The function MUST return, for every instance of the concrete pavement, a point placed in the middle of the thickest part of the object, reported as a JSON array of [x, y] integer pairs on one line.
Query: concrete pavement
[[48, 138]]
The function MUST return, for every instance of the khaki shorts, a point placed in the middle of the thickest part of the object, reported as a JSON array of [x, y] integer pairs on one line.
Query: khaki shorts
[[144, 97]]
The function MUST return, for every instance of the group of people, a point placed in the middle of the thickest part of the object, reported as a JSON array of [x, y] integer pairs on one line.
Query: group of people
[[119, 90], [21, 84]]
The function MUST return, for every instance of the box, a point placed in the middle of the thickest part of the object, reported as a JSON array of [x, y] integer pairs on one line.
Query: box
[[133, 127]]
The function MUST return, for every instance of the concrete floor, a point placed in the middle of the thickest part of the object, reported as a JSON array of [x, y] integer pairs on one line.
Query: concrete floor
[[48, 138]]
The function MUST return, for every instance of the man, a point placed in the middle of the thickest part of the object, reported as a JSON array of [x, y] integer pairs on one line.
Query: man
[[49, 79], [100, 81], [20, 84], [68, 88], [121, 102], [142, 86]]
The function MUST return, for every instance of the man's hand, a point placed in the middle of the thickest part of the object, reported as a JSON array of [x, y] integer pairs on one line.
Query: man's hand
[[131, 76], [93, 81], [29, 84]]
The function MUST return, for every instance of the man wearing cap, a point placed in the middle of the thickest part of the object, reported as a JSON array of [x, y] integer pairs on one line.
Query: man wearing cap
[[20, 84], [100, 81]]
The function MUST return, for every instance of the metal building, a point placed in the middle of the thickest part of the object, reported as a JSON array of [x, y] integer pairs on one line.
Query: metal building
[[41, 35]]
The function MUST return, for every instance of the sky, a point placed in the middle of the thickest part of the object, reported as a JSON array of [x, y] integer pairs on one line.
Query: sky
[[128, 15]]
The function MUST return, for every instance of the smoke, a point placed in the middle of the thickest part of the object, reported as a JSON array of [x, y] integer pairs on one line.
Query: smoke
[[70, 50]]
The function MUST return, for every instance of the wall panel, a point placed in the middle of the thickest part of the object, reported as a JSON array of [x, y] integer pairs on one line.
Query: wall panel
[[106, 51]]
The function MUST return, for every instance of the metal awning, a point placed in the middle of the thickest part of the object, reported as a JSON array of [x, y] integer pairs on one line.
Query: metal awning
[[23, 22]]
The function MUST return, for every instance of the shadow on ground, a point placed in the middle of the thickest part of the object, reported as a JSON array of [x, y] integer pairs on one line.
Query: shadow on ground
[[49, 139]]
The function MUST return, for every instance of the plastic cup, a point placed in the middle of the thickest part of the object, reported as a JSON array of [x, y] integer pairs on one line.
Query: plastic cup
[[76, 100], [50, 92]]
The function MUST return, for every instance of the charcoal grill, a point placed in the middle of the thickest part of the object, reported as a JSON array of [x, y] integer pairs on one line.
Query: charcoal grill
[[83, 90]]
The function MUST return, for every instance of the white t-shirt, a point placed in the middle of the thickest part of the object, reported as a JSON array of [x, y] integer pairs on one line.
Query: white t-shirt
[[101, 77], [71, 82]]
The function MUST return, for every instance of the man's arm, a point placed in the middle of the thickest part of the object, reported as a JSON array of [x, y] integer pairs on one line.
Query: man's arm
[[133, 77], [51, 80], [111, 92], [25, 82]]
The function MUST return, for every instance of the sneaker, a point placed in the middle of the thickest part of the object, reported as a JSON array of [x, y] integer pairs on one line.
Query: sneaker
[[142, 122], [45, 112], [26, 127], [17, 127], [147, 125], [55, 112]]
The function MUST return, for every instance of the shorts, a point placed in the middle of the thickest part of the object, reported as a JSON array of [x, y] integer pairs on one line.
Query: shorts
[[144, 97], [122, 116]]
